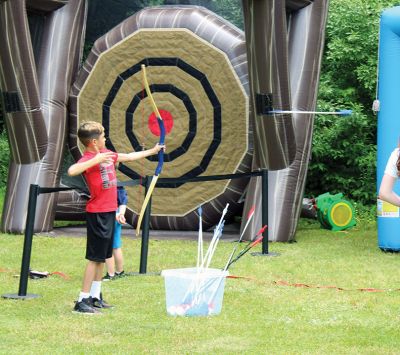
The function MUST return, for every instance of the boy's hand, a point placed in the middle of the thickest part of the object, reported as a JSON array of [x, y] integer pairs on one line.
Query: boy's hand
[[106, 157], [120, 218], [159, 146]]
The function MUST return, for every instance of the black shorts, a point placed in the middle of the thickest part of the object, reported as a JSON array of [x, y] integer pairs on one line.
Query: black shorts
[[100, 235]]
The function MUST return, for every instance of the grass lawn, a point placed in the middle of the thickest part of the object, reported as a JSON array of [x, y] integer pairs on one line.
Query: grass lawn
[[258, 315]]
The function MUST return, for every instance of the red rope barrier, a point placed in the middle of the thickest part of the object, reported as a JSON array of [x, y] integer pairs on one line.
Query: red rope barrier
[[303, 285]]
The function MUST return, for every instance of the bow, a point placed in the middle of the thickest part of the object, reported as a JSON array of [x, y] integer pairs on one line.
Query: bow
[[160, 153]]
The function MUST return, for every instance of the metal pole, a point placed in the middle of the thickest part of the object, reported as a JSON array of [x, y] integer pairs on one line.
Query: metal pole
[[145, 232], [264, 216], [264, 209], [26, 254]]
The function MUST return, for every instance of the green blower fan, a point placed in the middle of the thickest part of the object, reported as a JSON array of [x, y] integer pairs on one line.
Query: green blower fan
[[334, 212]]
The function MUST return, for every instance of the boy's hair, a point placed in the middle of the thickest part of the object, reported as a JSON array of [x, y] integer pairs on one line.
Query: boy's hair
[[89, 130]]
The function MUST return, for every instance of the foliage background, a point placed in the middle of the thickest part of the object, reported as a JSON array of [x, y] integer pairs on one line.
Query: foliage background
[[344, 148], [4, 158]]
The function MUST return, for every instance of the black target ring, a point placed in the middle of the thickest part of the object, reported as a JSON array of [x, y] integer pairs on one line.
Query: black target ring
[[190, 70]]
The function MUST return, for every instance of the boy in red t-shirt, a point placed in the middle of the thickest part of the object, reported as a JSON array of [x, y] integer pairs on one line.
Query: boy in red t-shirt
[[98, 167]]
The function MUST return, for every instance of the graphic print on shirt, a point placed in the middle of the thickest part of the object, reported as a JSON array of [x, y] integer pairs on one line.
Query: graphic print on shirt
[[108, 176]]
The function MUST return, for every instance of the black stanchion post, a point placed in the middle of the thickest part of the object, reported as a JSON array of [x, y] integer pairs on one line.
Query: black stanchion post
[[264, 209], [145, 232], [26, 254], [264, 215]]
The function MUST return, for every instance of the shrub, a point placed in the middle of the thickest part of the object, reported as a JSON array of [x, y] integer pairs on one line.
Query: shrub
[[343, 157], [4, 158]]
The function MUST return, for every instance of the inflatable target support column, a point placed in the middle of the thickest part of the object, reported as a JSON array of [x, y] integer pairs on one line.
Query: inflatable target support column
[[388, 122]]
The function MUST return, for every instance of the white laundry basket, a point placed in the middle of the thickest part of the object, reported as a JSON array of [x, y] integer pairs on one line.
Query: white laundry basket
[[190, 292]]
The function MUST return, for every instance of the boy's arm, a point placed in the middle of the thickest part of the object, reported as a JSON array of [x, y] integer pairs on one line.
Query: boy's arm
[[121, 214], [123, 157], [79, 168]]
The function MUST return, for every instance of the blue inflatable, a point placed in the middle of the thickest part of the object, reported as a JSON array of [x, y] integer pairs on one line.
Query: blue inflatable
[[388, 122]]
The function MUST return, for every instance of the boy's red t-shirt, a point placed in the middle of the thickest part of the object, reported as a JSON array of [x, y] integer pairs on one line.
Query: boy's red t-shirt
[[102, 183]]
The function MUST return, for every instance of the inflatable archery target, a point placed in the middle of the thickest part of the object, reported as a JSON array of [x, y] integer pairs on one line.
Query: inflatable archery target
[[200, 97]]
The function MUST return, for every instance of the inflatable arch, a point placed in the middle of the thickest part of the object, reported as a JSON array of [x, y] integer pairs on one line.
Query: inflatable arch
[[197, 69]]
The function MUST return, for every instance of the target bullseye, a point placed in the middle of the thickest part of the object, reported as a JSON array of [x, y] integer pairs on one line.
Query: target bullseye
[[168, 122]]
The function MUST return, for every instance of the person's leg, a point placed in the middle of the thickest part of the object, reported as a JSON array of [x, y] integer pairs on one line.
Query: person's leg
[[117, 251], [100, 229], [89, 275], [110, 262], [95, 289], [110, 267], [99, 271], [119, 260], [84, 304], [104, 252]]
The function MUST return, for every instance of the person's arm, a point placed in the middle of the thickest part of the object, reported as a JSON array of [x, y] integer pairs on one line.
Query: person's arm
[[123, 157], [79, 168], [120, 216], [386, 192]]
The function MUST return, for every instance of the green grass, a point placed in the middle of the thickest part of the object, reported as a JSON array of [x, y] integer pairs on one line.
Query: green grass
[[258, 316]]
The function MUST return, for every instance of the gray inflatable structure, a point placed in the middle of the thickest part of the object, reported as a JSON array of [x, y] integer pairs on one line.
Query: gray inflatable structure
[[36, 74], [298, 40], [277, 58]]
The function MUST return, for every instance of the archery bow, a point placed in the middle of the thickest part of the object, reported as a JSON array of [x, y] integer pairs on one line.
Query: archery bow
[[160, 153]]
